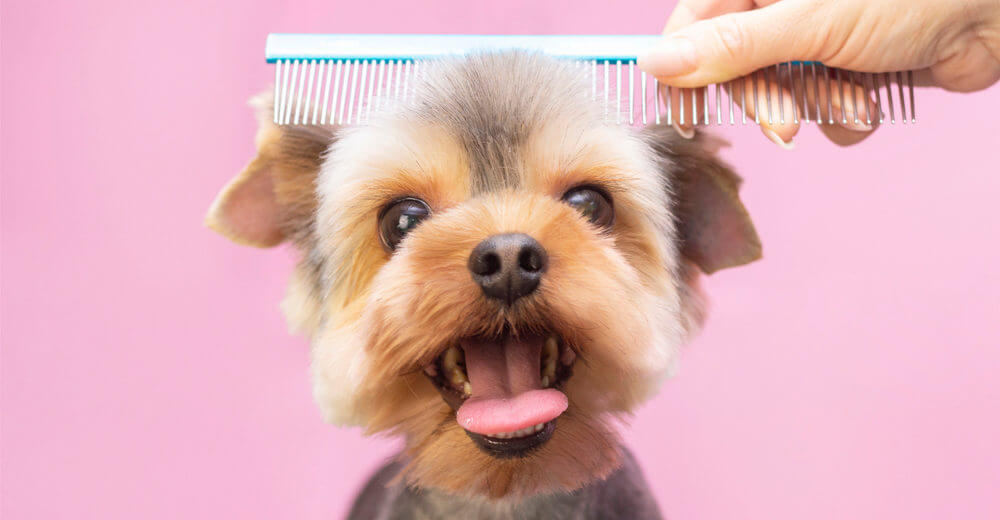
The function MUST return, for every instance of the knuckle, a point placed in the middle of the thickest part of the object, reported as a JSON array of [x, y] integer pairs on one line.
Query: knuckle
[[734, 42]]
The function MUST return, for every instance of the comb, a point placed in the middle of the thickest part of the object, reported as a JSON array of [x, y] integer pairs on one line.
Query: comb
[[338, 79]]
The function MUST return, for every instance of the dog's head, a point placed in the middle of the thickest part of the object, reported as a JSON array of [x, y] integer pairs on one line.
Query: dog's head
[[491, 270]]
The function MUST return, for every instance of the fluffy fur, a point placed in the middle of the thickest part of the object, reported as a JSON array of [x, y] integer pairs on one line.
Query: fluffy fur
[[491, 143]]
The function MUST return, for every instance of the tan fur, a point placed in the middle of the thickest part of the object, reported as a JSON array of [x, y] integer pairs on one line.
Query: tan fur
[[624, 299], [288, 159]]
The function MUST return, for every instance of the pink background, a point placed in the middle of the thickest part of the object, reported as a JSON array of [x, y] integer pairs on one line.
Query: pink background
[[147, 373]]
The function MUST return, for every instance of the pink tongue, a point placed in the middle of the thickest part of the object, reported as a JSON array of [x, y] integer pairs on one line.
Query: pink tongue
[[507, 392]]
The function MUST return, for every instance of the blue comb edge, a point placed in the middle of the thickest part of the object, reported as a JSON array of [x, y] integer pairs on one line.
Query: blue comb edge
[[423, 46], [402, 47]]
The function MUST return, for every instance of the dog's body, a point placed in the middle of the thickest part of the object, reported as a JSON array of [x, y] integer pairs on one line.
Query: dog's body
[[496, 274], [623, 494]]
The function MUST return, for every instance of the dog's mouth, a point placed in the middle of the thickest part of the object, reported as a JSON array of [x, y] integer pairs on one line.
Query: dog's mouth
[[506, 391]]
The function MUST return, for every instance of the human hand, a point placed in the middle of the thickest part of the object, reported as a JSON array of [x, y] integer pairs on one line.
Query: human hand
[[952, 44]]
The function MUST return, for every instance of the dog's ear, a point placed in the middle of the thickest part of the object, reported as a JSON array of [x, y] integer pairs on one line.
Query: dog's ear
[[274, 198], [714, 227]]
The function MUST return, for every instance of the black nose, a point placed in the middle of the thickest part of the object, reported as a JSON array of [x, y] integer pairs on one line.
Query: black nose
[[508, 266]]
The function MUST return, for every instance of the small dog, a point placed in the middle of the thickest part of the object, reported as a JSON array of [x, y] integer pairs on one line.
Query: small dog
[[496, 274]]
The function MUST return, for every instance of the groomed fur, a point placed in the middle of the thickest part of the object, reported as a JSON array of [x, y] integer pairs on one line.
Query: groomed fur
[[491, 143]]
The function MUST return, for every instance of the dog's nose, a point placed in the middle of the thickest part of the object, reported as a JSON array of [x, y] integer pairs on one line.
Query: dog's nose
[[508, 266]]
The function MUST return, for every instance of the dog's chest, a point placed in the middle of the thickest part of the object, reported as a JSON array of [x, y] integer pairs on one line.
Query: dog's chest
[[438, 506], [624, 494]]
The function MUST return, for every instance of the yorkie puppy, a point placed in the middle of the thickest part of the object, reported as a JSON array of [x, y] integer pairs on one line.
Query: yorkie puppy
[[494, 273]]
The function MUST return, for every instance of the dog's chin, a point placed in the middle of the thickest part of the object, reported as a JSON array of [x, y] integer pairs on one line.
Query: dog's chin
[[506, 391], [516, 446]]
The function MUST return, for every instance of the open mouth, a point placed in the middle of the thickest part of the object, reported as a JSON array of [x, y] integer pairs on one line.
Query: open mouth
[[506, 390]]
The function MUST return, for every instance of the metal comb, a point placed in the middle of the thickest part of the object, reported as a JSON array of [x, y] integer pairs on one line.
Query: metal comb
[[339, 79]]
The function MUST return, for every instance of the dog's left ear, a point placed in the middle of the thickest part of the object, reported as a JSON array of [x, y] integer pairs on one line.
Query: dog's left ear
[[274, 198], [714, 227]]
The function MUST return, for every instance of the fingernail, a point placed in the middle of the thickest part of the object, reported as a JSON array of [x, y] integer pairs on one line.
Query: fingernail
[[686, 133], [859, 126], [670, 57], [776, 139]]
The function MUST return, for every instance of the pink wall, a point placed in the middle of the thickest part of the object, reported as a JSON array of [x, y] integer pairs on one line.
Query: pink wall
[[146, 371]]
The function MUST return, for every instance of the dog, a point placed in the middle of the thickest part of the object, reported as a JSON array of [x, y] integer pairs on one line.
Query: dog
[[497, 275]]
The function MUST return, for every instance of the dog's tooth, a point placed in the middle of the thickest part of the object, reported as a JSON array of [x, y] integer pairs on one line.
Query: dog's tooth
[[451, 362], [467, 388], [456, 375], [550, 369], [523, 432], [457, 378], [551, 351], [452, 357]]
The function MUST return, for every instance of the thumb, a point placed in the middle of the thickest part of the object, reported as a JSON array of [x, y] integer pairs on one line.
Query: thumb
[[734, 45]]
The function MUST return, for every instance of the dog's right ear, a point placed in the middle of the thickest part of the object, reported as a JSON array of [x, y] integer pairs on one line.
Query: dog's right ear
[[715, 230], [713, 227], [274, 198]]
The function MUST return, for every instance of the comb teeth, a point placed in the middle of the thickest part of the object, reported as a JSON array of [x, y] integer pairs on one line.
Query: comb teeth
[[349, 91]]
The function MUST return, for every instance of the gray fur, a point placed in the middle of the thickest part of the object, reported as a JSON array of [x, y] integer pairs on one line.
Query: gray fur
[[492, 102], [624, 494]]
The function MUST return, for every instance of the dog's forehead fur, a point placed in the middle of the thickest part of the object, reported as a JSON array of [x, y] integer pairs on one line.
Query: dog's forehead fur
[[492, 103]]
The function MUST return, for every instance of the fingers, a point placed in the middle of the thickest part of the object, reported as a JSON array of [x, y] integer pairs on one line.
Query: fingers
[[770, 103], [781, 98], [733, 44], [674, 54], [762, 99], [840, 98], [685, 108], [685, 13], [968, 71], [840, 103]]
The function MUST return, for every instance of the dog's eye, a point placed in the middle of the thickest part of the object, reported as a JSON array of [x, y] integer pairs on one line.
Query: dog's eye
[[594, 205], [399, 219]]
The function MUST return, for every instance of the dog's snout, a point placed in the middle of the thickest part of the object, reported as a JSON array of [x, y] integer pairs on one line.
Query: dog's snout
[[508, 266]]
